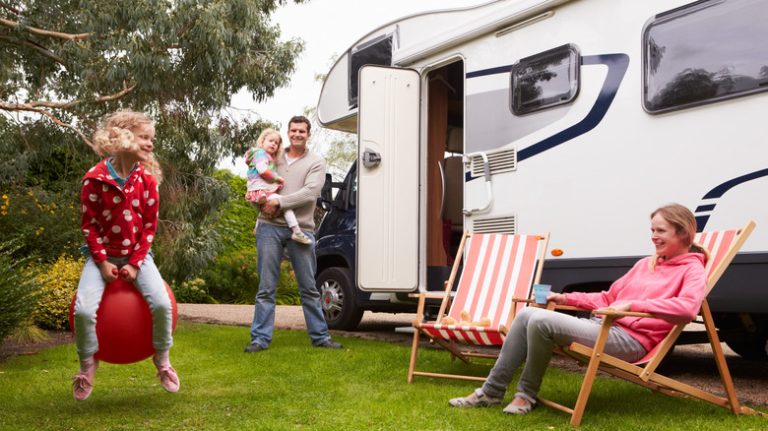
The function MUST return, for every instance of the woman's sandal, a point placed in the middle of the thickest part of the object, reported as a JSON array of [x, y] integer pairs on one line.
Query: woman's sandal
[[526, 408]]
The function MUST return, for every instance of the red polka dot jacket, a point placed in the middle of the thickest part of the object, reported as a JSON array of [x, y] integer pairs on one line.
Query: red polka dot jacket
[[117, 221]]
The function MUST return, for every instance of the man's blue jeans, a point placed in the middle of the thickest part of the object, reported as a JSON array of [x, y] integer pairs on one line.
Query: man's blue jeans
[[270, 242]]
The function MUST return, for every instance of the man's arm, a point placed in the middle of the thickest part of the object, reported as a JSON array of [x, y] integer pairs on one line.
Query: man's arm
[[309, 192]]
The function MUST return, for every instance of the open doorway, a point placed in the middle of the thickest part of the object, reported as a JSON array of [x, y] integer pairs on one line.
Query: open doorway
[[445, 169]]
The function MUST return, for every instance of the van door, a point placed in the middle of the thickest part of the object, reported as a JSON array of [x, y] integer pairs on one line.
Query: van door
[[388, 179]]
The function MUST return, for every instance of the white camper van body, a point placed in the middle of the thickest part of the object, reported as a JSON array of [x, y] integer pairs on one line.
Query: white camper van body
[[587, 164]]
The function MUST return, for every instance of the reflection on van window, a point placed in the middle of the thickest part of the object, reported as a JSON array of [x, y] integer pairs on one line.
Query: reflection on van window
[[709, 51], [544, 80], [377, 52]]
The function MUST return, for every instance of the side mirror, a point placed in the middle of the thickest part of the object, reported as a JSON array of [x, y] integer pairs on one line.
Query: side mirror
[[326, 193]]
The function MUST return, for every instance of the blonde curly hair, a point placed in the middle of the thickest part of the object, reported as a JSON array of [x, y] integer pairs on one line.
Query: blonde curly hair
[[115, 135]]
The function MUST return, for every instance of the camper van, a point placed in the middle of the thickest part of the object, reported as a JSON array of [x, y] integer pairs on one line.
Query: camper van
[[576, 118]]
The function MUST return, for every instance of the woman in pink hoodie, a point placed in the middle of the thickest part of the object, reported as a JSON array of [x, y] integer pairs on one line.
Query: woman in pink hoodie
[[670, 284]]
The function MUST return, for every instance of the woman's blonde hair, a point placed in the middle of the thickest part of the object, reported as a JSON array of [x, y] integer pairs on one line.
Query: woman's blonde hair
[[115, 135], [263, 137], [684, 222]]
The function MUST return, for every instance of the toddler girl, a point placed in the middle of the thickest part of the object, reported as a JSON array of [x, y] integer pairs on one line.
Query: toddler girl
[[263, 180]]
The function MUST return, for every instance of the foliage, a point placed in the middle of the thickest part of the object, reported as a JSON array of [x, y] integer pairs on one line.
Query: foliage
[[71, 62], [46, 222], [18, 289], [233, 278], [192, 292], [238, 216], [59, 284], [298, 387]]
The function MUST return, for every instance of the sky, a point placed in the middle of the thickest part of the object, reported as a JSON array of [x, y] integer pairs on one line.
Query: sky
[[328, 28]]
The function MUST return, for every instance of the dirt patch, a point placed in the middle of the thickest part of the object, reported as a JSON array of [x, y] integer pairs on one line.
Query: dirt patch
[[10, 347]]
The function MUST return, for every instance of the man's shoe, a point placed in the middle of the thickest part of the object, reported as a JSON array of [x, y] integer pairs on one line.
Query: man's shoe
[[329, 344], [254, 347]]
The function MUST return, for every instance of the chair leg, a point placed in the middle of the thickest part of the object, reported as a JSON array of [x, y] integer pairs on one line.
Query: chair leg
[[717, 352], [591, 373], [414, 353]]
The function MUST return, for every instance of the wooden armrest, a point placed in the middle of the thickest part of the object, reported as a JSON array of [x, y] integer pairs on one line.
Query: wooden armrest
[[569, 308], [612, 312], [427, 295], [529, 301]]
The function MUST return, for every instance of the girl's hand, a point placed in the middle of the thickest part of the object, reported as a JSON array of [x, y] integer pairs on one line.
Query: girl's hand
[[129, 273], [108, 271], [280, 180], [557, 298]]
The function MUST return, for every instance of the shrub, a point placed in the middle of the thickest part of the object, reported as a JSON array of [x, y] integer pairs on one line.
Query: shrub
[[46, 222], [18, 289], [58, 286], [233, 278], [192, 292]]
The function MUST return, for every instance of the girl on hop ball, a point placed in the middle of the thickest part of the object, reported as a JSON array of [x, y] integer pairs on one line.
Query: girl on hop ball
[[120, 206]]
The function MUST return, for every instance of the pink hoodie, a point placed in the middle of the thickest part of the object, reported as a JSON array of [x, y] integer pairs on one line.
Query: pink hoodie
[[674, 291]]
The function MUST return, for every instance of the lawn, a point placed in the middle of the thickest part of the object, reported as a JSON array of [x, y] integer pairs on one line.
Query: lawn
[[294, 386]]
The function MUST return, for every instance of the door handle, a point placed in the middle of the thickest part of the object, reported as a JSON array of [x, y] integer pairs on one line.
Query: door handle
[[371, 158]]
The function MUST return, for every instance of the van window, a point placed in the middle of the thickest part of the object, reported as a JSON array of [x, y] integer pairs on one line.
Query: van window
[[376, 52], [705, 52], [545, 80]]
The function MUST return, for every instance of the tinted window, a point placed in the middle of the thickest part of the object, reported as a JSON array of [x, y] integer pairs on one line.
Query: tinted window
[[544, 80], [704, 52], [377, 52]]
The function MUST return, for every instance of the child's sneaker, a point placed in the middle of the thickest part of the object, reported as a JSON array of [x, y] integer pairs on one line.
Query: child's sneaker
[[168, 377], [82, 383], [301, 238]]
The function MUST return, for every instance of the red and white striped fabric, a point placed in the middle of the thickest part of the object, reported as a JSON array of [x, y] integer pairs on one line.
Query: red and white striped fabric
[[718, 243], [497, 267]]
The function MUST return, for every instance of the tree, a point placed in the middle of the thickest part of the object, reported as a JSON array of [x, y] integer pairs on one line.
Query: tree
[[67, 63]]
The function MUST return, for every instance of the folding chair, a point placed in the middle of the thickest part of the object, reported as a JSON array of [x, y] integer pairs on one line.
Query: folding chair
[[723, 246], [496, 268]]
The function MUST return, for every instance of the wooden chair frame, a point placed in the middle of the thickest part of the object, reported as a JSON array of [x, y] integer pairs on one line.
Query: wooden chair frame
[[646, 376], [455, 349]]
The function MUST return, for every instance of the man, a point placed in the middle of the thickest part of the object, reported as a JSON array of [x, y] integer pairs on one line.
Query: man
[[304, 174]]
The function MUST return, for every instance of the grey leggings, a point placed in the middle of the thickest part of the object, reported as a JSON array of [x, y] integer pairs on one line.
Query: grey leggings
[[531, 339]]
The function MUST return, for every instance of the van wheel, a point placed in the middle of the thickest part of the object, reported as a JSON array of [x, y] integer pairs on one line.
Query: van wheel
[[746, 334], [337, 297]]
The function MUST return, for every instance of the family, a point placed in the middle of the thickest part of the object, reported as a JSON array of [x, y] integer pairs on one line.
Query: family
[[119, 218], [120, 207]]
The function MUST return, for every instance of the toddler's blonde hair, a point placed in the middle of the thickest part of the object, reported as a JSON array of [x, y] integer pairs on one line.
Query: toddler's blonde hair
[[263, 137]]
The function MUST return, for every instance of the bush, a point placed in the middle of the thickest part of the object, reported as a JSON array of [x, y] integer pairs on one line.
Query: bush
[[58, 287], [192, 292], [18, 289], [233, 278], [47, 223]]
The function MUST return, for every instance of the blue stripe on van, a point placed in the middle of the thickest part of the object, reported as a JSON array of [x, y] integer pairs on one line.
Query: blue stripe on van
[[617, 67], [719, 191]]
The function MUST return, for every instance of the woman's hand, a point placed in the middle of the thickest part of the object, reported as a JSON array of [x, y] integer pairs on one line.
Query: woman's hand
[[621, 306], [557, 298]]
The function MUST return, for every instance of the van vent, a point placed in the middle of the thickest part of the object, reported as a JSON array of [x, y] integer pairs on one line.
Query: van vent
[[495, 225], [501, 161]]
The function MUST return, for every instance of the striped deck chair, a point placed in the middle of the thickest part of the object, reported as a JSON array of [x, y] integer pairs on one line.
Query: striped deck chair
[[723, 246], [497, 267]]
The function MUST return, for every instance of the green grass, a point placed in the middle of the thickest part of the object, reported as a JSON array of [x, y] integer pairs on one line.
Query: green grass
[[294, 386]]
